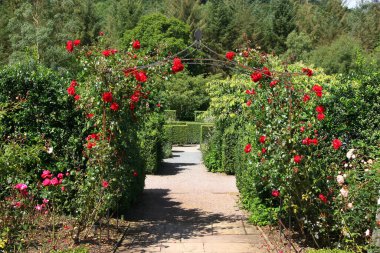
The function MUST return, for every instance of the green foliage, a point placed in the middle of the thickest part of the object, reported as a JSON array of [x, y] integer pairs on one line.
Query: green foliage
[[158, 33], [181, 132], [298, 44], [206, 132], [327, 251], [75, 250], [170, 115]]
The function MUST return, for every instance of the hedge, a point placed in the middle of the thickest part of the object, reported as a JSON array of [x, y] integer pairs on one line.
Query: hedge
[[186, 132], [170, 115]]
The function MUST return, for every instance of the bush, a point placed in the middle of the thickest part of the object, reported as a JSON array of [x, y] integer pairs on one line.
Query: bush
[[181, 132], [170, 115]]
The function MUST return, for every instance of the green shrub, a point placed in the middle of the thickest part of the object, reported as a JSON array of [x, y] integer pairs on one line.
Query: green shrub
[[328, 251], [206, 132], [182, 132], [170, 115]]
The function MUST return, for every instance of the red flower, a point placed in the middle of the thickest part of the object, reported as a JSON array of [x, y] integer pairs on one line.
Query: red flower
[[71, 90], [245, 53], [114, 106], [90, 145], [46, 174], [336, 144], [314, 141], [54, 181], [320, 109], [262, 139], [90, 115], [177, 65], [307, 71], [323, 198], [302, 129], [230, 55], [256, 76], [106, 53], [297, 158], [263, 150], [105, 184], [135, 174], [140, 76], [107, 97], [275, 193], [73, 83], [77, 97], [248, 148], [250, 92], [320, 116], [76, 42], [306, 98], [273, 83], [318, 90], [136, 44], [266, 72], [101, 33], [128, 72], [69, 46], [249, 102]]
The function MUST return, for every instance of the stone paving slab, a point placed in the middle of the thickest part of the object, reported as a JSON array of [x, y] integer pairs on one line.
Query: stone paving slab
[[187, 209]]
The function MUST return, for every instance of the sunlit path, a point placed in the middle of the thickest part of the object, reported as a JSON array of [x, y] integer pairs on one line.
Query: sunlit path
[[187, 209]]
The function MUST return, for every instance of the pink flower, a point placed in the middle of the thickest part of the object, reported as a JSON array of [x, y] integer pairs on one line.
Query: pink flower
[[275, 193], [45, 201], [73, 83], [230, 55], [63, 188], [54, 181], [248, 148], [46, 182], [90, 115], [38, 207], [336, 144], [344, 192], [249, 102], [114, 106], [60, 175], [17, 204], [21, 187], [105, 184], [106, 53], [302, 129]]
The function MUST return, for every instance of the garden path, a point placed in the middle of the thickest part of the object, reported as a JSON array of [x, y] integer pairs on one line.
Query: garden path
[[184, 208]]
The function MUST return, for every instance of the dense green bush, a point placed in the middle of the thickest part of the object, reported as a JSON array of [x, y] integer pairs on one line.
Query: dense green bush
[[182, 132], [170, 115]]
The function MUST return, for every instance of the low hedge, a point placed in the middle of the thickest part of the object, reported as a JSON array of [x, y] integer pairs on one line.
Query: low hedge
[[182, 132]]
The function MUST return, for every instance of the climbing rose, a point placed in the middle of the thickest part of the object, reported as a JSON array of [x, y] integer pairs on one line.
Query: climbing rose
[[266, 72], [297, 158], [135, 174], [54, 181], [60, 175], [306, 98], [307, 71], [256, 76], [320, 109], [273, 83], [101, 33], [275, 193], [21, 187], [76, 42], [46, 174], [248, 148], [245, 53], [250, 92], [249, 102], [106, 53], [136, 44], [38, 207], [336, 144], [90, 145], [323, 198], [320, 116], [177, 65], [318, 90], [114, 106], [107, 97], [230, 55], [46, 182], [76, 97], [263, 150], [89, 115], [105, 184], [69, 46], [344, 192], [71, 90], [45, 201], [262, 139], [302, 129], [140, 76], [73, 83]]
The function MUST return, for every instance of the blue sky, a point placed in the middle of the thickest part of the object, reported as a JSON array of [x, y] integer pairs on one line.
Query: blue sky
[[353, 3]]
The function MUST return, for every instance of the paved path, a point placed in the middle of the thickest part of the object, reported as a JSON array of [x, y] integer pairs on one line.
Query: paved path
[[187, 209]]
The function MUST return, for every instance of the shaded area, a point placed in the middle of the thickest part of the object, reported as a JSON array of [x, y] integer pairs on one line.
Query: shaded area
[[171, 169]]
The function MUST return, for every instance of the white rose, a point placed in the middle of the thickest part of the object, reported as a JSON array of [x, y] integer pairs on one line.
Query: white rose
[[344, 192], [350, 205], [367, 232], [340, 179]]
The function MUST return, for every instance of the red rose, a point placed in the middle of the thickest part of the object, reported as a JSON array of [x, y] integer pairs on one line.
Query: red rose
[[275, 193], [336, 144], [140, 76], [105, 184], [323, 198], [320, 116], [177, 65], [263, 150], [302, 129], [256, 76], [69, 46], [76, 42], [101, 33], [90, 115], [262, 139], [307, 71], [135, 174], [250, 92], [230, 55], [248, 148], [107, 97], [128, 72], [306, 98], [306, 141], [273, 83], [114, 106], [77, 97], [90, 145], [106, 53], [297, 158], [73, 83], [249, 102], [318, 90], [131, 106], [320, 109], [136, 44], [314, 141], [266, 72], [245, 53], [71, 90]]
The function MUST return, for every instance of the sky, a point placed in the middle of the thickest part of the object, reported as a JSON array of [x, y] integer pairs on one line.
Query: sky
[[352, 3]]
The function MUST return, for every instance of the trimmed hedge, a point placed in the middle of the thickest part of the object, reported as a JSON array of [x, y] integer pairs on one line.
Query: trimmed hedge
[[182, 132], [170, 115], [206, 132], [199, 116]]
